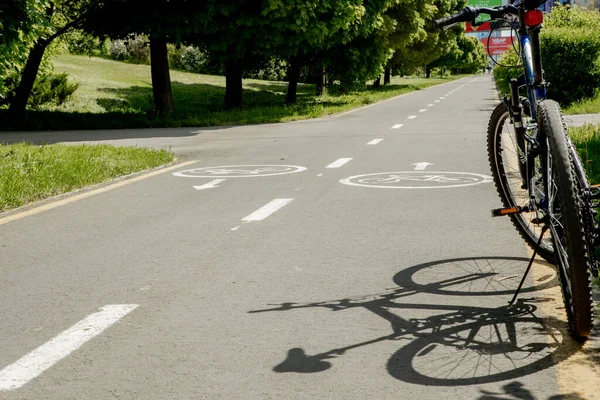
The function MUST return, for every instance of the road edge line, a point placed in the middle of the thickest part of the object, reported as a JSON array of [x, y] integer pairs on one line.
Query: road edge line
[[71, 199]]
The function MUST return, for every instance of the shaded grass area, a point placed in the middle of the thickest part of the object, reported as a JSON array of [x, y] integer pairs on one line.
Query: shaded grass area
[[29, 172], [112, 94], [587, 140]]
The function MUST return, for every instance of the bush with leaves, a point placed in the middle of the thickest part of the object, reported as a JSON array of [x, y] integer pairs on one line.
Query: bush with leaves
[[134, 49], [81, 43], [49, 88], [570, 49]]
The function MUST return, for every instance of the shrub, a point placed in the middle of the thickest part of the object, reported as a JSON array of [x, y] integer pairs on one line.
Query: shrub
[[571, 60], [81, 43], [48, 88], [509, 67], [118, 50], [133, 49], [187, 58], [570, 49]]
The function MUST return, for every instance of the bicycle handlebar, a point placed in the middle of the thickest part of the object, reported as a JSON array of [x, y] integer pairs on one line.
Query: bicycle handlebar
[[468, 14]]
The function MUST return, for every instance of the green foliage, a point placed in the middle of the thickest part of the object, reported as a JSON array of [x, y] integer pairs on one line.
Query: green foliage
[[49, 89], [509, 67], [133, 49], [571, 60], [31, 172], [570, 50], [587, 141], [81, 43], [425, 45], [465, 55]]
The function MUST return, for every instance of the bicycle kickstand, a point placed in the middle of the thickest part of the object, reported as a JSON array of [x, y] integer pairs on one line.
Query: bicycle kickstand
[[544, 229]]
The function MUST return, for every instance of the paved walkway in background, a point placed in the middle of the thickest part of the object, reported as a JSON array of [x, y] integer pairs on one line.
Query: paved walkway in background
[[582, 119]]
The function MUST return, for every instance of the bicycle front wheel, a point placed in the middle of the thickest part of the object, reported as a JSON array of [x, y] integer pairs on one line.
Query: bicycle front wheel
[[565, 214], [507, 153]]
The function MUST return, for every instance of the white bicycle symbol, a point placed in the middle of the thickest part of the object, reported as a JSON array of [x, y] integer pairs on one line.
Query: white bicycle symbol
[[424, 178], [416, 180], [239, 171]]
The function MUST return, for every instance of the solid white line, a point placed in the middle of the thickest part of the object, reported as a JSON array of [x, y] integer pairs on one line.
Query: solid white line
[[39, 360], [411, 117], [84, 195], [423, 110], [338, 163], [397, 126], [375, 141], [267, 210]]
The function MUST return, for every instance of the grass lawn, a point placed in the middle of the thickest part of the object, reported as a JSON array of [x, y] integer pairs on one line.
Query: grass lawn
[[29, 173], [585, 106], [113, 94]]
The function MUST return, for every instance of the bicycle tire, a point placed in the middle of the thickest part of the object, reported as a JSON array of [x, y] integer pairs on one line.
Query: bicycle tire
[[508, 179], [567, 221]]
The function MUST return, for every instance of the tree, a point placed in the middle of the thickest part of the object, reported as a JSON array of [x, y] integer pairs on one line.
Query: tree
[[425, 45], [161, 20], [46, 20]]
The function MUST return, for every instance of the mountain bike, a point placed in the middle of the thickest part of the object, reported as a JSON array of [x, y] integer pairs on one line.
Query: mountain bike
[[537, 171]]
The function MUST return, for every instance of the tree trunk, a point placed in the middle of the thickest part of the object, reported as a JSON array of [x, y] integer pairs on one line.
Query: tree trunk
[[19, 103], [377, 82], [233, 84], [293, 77], [321, 82], [427, 71], [387, 77], [161, 78]]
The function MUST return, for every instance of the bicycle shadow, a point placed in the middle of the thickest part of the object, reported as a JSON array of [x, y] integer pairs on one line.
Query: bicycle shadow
[[517, 391], [465, 344]]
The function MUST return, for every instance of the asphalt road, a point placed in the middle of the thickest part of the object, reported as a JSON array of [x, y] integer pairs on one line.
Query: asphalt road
[[350, 257]]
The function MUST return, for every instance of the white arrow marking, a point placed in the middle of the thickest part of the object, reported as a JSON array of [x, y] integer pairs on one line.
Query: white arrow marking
[[210, 185], [421, 166]]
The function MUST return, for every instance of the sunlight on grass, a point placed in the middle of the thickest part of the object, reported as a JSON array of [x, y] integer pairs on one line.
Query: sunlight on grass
[[114, 94], [587, 140], [29, 172]]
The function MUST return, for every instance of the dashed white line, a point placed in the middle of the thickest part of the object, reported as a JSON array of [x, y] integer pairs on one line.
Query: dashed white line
[[267, 210], [442, 98], [374, 142], [397, 126], [436, 101], [430, 105], [39, 360], [423, 110], [338, 163], [411, 117]]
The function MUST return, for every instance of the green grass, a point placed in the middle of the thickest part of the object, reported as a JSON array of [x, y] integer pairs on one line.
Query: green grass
[[585, 106], [113, 94], [587, 140], [29, 172]]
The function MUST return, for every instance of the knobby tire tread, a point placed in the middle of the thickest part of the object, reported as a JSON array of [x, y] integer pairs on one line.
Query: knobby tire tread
[[578, 303]]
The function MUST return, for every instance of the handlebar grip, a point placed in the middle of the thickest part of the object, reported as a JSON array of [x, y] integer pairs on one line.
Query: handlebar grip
[[465, 15]]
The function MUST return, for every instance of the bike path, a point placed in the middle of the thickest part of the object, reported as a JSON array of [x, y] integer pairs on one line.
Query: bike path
[[387, 284]]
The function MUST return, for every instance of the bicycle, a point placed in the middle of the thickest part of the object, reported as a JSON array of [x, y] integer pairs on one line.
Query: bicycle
[[537, 171]]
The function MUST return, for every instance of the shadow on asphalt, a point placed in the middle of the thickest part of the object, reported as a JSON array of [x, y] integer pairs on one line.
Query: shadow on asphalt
[[464, 344], [517, 391]]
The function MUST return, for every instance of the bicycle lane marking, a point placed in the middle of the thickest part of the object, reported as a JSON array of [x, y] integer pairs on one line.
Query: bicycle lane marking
[[74, 198], [264, 212], [416, 179], [44, 357]]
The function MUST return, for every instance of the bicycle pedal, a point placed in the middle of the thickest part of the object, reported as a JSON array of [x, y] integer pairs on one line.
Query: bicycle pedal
[[499, 212]]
